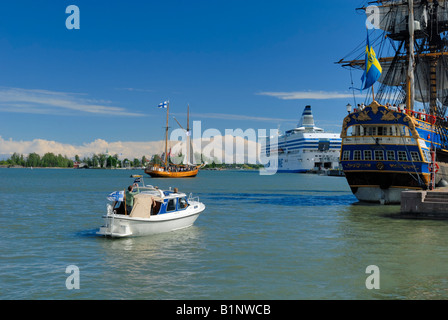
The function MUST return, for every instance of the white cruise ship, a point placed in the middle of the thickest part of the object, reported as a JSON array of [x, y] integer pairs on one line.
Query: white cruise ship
[[306, 147]]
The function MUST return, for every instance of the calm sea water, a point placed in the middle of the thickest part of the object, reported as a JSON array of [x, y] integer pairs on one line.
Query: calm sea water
[[286, 236]]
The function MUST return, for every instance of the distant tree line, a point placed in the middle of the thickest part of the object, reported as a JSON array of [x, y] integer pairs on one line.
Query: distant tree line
[[49, 160], [35, 160], [108, 161], [231, 166], [104, 160]]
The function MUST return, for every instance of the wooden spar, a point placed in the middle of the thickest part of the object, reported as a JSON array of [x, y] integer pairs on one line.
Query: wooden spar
[[179, 123], [433, 87], [166, 134], [433, 70], [410, 77], [188, 118], [188, 135], [354, 63]]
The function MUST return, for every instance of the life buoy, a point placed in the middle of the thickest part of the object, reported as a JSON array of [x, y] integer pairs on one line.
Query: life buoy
[[436, 167]]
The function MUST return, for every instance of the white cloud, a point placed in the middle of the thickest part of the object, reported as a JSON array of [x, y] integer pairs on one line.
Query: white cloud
[[136, 90], [236, 117], [40, 146], [215, 147], [52, 102], [312, 95]]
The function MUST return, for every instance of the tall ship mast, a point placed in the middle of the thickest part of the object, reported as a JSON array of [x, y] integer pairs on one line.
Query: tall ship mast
[[400, 139]]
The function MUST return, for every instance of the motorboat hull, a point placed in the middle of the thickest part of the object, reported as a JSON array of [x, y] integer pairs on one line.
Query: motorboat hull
[[120, 226]]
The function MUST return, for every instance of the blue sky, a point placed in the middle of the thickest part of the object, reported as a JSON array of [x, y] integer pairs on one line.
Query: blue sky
[[238, 64]]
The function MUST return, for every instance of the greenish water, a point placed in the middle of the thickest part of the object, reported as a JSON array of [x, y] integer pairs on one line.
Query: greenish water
[[287, 236]]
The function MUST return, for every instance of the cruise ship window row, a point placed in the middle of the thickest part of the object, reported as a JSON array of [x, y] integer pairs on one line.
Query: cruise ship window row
[[379, 155], [307, 144]]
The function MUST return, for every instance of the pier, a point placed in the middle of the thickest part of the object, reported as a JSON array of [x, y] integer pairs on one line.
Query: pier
[[427, 203]]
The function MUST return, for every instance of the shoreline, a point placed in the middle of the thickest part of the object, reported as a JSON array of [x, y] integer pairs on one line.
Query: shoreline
[[132, 168], [32, 168]]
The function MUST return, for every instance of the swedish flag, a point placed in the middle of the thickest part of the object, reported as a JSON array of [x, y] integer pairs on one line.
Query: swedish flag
[[373, 68]]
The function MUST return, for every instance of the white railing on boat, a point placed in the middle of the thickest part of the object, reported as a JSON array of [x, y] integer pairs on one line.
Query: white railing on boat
[[109, 219], [192, 199]]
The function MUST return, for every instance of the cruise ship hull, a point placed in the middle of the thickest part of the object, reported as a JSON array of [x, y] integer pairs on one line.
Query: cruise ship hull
[[308, 157]]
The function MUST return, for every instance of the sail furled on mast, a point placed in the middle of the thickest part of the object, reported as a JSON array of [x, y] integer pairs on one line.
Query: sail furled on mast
[[392, 17], [426, 54], [395, 73]]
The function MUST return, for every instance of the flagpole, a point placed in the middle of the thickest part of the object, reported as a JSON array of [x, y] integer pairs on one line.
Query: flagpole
[[373, 68]]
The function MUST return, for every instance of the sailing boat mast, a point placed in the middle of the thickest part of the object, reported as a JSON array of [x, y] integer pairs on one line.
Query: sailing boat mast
[[434, 38], [411, 58], [188, 135], [166, 134]]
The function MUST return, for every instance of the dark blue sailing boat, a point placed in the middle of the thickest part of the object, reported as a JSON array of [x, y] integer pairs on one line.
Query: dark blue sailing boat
[[400, 139]]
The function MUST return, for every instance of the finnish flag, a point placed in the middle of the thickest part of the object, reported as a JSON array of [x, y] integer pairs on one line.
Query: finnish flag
[[163, 105], [116, 196]]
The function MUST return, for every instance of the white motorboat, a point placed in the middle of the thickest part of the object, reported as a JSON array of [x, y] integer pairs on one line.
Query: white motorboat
[[154, 211]]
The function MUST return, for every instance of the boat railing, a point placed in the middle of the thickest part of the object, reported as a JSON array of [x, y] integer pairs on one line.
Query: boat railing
[[151, 191], [192, 199], [422, 116], [109, 220]]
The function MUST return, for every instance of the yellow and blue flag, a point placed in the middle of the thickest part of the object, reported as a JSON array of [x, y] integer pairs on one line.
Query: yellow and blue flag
[[373, 68]]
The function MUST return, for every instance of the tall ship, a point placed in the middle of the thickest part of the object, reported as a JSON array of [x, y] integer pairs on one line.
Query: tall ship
[[164, 167], [305, 147], [399, 140]]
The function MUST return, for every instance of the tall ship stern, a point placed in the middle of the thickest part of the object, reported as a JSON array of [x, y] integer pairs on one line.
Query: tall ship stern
[[399, 141]]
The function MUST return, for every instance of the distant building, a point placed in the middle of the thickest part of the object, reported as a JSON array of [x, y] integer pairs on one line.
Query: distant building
[[80, 165]]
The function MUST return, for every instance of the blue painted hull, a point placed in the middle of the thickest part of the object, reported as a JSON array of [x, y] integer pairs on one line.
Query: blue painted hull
[[384, 152]]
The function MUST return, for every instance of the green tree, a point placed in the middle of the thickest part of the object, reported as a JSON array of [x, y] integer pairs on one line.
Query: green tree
[[136, 163], [156, 160], [95, 161], [49, 160], [102, 159], [117, 161], [112, 161], [33, 160], [15, 159]]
